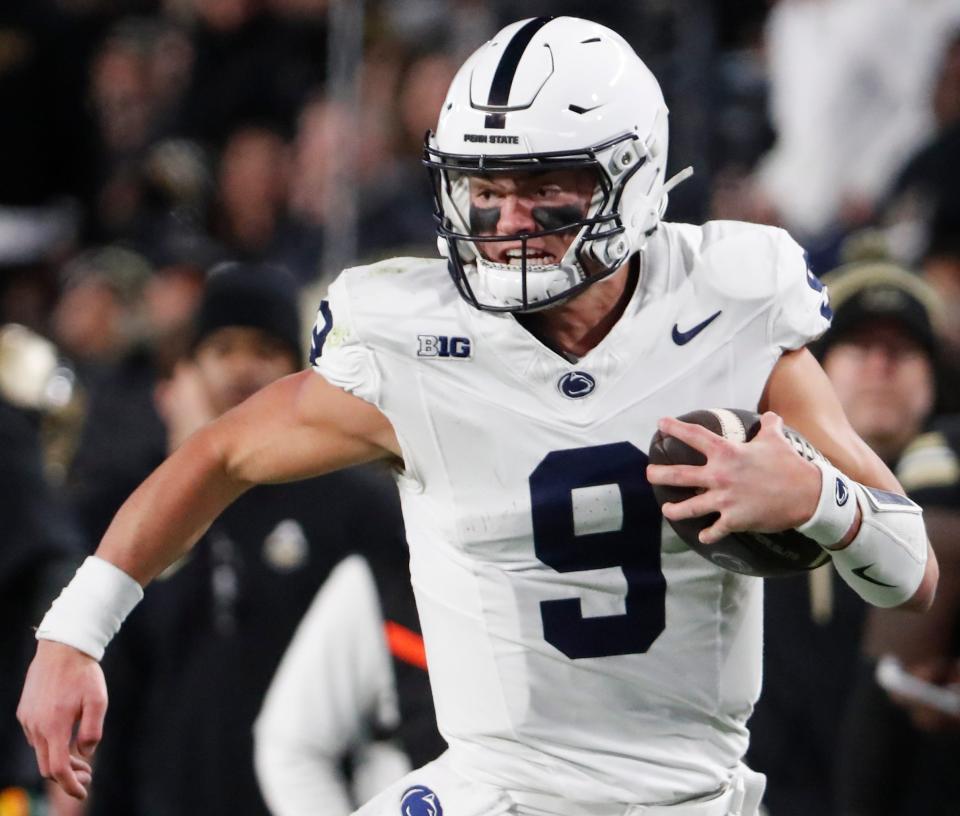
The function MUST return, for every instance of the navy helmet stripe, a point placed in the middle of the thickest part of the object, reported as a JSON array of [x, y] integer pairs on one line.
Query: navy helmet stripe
[[507, 69]]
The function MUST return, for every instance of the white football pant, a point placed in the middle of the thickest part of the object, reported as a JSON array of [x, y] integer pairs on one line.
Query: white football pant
[[437, 789]]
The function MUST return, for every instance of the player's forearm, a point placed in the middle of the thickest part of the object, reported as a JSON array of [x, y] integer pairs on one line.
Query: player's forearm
[[166, 515]]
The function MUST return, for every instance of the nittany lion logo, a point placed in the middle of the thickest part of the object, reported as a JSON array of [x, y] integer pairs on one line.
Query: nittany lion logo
[[420, 801], [842, 494], [576, 384]]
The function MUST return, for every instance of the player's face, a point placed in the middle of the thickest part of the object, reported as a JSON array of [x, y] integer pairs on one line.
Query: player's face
[[516, 203], [235, 362], [884, 380]]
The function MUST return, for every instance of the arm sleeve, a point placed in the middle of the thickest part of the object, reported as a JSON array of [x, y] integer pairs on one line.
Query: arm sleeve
[[333, 691], [338, 351], [802, 309]]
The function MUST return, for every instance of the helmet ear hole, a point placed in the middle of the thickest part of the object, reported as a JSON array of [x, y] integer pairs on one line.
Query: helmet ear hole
[[623, 159], [610, 253]]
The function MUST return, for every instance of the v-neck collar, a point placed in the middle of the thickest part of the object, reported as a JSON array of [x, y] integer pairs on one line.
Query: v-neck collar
[[633, 283]]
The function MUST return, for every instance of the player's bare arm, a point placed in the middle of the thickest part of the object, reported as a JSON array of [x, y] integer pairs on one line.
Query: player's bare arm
[[298, 427], [763, 486]]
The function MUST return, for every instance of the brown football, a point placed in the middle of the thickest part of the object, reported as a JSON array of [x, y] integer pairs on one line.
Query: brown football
[[761, 554]]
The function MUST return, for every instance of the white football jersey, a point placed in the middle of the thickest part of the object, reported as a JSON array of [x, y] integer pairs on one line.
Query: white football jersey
[[575, 644]]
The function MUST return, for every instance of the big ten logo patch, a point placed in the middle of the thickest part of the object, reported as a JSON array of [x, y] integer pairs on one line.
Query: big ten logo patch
[[442, 347]]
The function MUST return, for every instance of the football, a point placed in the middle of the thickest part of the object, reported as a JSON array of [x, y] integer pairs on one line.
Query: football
[[761, 554]]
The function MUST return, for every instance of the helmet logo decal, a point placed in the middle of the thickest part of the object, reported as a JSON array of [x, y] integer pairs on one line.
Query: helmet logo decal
[[420, 801], [576, 384], [507, 69], [581, 111], [492, 138]]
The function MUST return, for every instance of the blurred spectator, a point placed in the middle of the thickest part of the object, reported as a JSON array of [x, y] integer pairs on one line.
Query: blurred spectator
[[453, 25], [137, 80], [102, 324], [320, 131], [336, 158], [928, 184], [271, 199], [880, 355], [98, 317], [250, 66], [121, 91], [34, 241], [252, 191], [397, 202], [39, 548], [336, 700], [179, 185], [897, 756], [27, 294], [190, 669], [850, 97], [170, 301], [941, 270], [392, 191]]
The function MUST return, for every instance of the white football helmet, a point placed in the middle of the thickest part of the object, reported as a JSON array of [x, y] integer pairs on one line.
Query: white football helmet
[[550, 93]]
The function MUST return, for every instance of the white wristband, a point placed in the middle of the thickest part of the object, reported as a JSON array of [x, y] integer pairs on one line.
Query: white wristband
[[90, 609], [836, 510]]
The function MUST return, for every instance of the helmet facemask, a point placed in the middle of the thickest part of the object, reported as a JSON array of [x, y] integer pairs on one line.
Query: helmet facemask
[[500, 272]]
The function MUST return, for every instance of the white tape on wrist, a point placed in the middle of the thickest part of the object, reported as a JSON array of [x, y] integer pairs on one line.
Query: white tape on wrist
[[836, 510], [91, 608]]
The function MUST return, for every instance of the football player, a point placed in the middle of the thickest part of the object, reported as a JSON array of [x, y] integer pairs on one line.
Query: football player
[[583, 659]]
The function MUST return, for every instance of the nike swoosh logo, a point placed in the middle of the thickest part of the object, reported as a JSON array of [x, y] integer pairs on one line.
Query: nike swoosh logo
[[861, 572], [681, 338]]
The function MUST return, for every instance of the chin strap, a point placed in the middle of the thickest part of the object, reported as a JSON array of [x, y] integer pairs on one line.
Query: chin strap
[[675, 179], [668, 185]]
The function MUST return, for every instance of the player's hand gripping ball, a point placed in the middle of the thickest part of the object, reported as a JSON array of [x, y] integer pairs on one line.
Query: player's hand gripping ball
[[760, 554]]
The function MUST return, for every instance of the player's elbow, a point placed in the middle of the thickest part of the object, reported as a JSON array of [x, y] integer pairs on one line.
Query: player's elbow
[[922, 599], [213, 448]]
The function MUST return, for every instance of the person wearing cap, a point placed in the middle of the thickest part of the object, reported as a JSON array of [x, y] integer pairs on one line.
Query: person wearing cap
[[190, 673], [98, 317], [882, 357], [245, 335], [896, 752], [881, 353]]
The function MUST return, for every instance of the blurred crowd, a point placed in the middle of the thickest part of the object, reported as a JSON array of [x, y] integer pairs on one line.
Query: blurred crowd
[[145, 142]]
